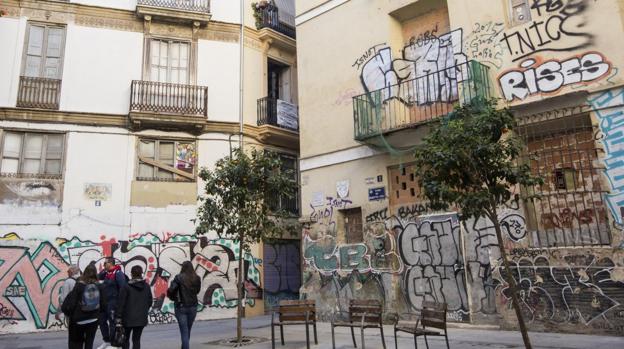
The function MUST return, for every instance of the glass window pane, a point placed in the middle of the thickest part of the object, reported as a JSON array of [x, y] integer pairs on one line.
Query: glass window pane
[[33, 65], [35, 40], [10, 165], [162, 74], [165, 174], [33, 146], [51, 69], [146, 171], [183, 78], [55, 38], [165, 152], [12, 145], [146, 149], [31, 166], [54, 147], [53, 166], [175, 77]]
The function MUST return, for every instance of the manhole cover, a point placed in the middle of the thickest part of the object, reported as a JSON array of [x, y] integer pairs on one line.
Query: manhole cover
[[233, 342]]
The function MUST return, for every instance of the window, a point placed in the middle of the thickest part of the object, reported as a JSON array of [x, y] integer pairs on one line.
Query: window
[[279, 81], [169, 61], [353, 225], [32, 153], [44, 51], [520, 11], [291, 205], [166, 160]]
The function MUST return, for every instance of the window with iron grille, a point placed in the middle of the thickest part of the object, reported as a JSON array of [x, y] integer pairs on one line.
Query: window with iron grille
[[569, 209], [166, 160], [32, 153]]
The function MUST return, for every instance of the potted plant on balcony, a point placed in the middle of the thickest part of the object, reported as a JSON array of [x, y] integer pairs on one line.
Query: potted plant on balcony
[[258, 9]]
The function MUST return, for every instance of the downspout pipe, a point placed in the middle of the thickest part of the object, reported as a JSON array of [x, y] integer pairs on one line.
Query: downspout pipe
[[241, 71]]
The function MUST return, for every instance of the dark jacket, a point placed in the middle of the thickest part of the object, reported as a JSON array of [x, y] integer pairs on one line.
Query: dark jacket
[[135, 301], [112, 287], [181, 295], [71, 305]]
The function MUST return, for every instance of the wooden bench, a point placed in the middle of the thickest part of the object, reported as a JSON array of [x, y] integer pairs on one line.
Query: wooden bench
[[294, 312], [363, 314], [433, 315]]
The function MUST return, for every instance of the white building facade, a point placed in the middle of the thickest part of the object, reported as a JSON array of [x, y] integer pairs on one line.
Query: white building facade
[[108, 109]]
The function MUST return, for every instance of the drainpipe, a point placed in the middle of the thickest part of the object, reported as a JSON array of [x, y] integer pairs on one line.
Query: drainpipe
[[241, 71]]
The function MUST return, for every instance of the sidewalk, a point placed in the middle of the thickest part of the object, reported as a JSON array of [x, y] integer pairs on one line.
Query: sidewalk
[[167, 337]]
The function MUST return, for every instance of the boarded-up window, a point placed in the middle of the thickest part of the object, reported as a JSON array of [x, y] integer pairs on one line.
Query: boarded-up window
[[166, 160], [353, 225], [32, 153]]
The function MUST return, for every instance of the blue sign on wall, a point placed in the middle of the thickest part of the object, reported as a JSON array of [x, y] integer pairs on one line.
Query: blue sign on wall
[[376, 193]]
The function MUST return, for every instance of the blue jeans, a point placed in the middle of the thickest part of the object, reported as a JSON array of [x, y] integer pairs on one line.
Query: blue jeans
[[185, 317], [107, 322]]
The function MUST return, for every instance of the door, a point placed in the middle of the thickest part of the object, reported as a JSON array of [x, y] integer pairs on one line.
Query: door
[[282, 271]]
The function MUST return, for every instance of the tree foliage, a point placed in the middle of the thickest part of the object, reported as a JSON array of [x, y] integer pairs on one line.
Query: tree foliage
[[237, 197], [471, 160]]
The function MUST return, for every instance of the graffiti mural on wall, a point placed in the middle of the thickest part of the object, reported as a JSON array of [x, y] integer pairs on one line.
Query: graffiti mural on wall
[[434, 67], [483, 43], [608, 107], [558, 25], [535, 76], [31, 271], [282, 271]]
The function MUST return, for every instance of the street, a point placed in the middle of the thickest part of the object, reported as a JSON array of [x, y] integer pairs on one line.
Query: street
[[167, 337]]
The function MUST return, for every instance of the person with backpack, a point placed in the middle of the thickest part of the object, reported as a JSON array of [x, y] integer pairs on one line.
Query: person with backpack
[[135, 300], [83, 306], [113, 280], [73, 273], [183, 292]]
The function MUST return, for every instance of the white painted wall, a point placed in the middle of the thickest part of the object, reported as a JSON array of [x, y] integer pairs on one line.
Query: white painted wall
[[120, 4], [218, 68], [98, 69], [226, 10], [12, 43]]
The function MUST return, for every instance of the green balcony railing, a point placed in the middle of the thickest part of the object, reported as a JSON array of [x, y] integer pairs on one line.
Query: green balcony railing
[[416, 101]]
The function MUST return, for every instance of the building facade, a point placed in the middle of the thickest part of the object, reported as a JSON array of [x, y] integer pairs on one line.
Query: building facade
[[108, 111], [367, 95]]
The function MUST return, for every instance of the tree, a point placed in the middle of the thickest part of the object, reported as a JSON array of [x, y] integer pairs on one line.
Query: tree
[[471, 160], [237, 204]]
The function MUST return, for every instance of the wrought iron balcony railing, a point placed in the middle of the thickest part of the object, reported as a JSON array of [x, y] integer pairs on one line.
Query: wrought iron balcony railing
[[183, 5], [160, 97], [418, 100], [275, 112], [40, 93], [270, 19]]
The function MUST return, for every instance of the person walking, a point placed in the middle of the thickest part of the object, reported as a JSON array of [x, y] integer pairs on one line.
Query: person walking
[[135, 300], [183, 292], [83, 306], [113, 280], [73, 273]]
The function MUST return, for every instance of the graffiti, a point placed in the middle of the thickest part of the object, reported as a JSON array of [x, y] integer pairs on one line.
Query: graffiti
[[424, 38], [367, 55], [32, 272], [412, 211], [346, 97], [526, 252], [609, 109], [31, 192], [558, 27], [282, 270], [435, 267], [483, 44], [433, 66], [576, 294], [377, 216], [534, 76], [155, 316]]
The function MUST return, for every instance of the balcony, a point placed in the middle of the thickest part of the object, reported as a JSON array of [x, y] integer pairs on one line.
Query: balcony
[[175, 10], [41, 93], [380, 114], [168, 106], [269, 18], [278, 121]]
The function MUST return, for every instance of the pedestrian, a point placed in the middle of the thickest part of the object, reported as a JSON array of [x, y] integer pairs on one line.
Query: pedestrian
[[73, 273], [113, 280], [135, 300], [183, 292], [83, 306]]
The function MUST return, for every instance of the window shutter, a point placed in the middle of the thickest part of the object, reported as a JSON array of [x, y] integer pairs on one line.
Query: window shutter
[[34, 51], [53, 53]]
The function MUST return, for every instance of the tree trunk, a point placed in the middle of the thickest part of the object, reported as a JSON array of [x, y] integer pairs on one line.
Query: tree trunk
[[239, 283], [510, 281]]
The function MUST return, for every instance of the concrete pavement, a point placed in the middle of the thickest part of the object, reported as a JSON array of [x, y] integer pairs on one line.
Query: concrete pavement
[[167, 337]]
